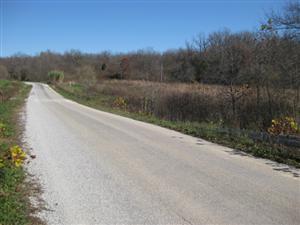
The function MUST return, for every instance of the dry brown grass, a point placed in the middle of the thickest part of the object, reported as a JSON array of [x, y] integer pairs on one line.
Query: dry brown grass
[[235, 106]]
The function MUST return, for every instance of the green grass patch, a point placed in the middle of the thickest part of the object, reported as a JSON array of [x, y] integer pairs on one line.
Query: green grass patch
[[14, 204], [207, 130]]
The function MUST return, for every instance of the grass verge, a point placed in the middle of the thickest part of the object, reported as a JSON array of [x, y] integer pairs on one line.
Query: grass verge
[[14, 204], [209, 131]]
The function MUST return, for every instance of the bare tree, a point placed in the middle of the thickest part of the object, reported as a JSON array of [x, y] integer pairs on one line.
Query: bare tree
[[286, 22]]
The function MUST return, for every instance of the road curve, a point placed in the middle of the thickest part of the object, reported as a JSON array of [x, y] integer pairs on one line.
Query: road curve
[[99, 168]]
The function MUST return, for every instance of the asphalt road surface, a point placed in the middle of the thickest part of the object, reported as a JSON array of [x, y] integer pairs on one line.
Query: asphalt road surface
[[98, 168]]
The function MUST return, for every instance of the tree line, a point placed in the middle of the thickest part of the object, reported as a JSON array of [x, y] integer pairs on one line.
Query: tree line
[[268, 58]]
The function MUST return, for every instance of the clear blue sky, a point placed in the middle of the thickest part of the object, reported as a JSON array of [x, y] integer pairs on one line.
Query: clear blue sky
[[120, 26]]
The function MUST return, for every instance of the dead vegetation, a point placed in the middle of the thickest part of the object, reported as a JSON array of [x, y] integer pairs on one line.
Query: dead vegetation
[[233, 106]]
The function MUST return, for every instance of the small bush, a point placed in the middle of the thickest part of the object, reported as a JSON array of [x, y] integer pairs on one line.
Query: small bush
[[120, 102], [56, 76], [17, 155], [285, 125]]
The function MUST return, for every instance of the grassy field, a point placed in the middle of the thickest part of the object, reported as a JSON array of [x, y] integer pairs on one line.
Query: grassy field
[[111, 99], [14, 204]]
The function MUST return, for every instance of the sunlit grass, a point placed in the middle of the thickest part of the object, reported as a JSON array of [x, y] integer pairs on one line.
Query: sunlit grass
[[13, 199]]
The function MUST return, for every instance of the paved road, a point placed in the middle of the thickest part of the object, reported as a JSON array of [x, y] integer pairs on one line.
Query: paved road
[[99, 168]]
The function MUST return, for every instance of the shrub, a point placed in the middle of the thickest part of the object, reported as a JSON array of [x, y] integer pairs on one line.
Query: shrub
[[120, 102], [17, 155], [56, 76], [284, 125]]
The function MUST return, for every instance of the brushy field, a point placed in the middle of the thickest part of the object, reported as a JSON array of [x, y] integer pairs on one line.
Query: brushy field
[[238, 107], [14, 204], [200, 110]]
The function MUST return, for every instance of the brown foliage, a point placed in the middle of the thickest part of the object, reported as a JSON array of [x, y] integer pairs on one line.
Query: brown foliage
[[200, 102]]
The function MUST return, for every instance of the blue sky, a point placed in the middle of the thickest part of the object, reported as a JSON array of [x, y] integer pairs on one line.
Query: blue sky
[[120, 26]]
